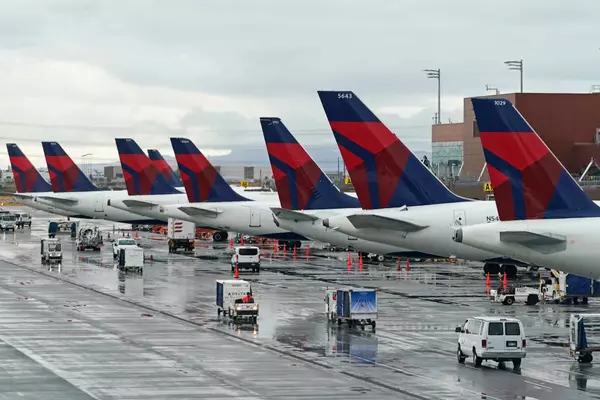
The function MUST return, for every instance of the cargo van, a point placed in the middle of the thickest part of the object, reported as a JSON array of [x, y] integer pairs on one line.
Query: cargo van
[[491, 338], [7, 222], [246, 257]]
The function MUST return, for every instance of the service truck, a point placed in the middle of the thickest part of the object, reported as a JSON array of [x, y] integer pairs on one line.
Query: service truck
[[89, 237], [564, 287], [51, 250], [123, 243], [356, 306], [231, 294], [181, 235], [7, 222]]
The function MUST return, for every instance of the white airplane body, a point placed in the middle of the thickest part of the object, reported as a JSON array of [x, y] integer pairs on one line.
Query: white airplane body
[[309, 223], [28, 200], [426, 229], [553, 243]]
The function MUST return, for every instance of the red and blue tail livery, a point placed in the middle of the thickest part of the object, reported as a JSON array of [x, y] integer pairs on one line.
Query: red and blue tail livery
[[528, 180], [201, 180], [164, 168], [385, 173], [27, 178], [301, 184], [141, 175], [65, 175]]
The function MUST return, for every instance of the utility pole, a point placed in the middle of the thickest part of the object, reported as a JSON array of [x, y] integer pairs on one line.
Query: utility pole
[[516, 66], [436, 74]]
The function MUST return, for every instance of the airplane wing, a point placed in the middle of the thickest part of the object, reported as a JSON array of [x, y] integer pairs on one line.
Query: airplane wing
[[531, 239], [292, 215], [62, 200], [139, 204], [379, 222], [201, 211]]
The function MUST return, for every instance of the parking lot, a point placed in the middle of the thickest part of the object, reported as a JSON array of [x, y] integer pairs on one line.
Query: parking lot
[[84, 329]]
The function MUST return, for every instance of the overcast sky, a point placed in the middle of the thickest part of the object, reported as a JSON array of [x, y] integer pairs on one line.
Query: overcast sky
[[82, 72]]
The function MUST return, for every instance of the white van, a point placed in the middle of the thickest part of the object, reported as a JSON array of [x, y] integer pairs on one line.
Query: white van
[[246, 257], [491, 338], [7, 222]]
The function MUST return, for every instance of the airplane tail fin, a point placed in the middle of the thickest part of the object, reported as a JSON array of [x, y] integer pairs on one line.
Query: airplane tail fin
[[141, 175], [385, 173], [164, 168], [65, 175], [27, 178], [201, 179], [301, 184], [528, 180]]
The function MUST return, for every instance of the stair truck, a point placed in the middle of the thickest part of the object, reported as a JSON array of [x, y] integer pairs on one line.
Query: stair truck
[[355, 306], [181, 235], [230, 295], [89, 238], [564, 287], [51, 250], [584, 336]]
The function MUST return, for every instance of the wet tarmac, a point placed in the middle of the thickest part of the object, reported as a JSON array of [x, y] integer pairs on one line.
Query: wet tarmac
[[84, 329]]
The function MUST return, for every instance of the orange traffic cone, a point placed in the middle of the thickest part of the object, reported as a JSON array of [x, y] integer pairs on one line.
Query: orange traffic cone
[[242, 240], [349, 259], [236, 274], [398, 265], [360, 260], [488, 281], [407, 264], [504, 281], [284, 249], [136, 235], [230, 242], [307, 251], [294, 252]]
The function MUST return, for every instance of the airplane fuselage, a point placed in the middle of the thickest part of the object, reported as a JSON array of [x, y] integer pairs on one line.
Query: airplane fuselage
[[578, 253]]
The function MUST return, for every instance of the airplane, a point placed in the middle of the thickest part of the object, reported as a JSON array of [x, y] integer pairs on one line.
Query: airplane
[[545, 216], [214, 203], [140, 171], [404, 203], [30, 183], [165, 169], [73, 191], [307, 195]]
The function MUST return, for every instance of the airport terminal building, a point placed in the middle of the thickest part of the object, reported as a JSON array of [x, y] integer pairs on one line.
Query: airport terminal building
[[569, 123]]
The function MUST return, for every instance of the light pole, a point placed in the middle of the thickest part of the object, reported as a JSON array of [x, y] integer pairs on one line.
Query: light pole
[[516, 66], [488, 89], [84, 165], [436, 74]]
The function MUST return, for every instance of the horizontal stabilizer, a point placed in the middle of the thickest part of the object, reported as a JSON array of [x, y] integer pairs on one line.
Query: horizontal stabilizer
[[139, 204], [529, 239], [200, 211], [379, 222], [18, 195], [62, 200], [292, 215]]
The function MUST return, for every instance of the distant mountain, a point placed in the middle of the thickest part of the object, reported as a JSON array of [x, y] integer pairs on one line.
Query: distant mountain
[[326, 158]]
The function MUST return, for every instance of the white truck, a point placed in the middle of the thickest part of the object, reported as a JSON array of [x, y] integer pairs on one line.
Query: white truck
[[51, 250], [8, 222], [23, 219], [516, 294], [123, 243], [131, 258], [181, 235], [234, 299]]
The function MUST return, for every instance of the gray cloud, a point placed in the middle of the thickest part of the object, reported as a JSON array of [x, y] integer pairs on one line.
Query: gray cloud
[[208, 70]]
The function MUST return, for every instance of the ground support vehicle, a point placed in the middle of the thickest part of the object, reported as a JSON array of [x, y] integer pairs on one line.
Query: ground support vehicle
[[181, 235], [354, 306], [584, 336], [51, 250], [230, 295], [131, 258]]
